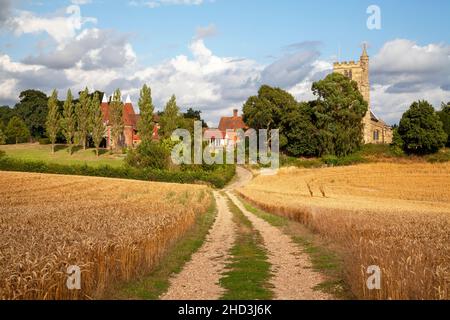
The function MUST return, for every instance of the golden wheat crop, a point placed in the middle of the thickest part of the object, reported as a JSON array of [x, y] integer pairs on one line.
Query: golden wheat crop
[[395, 216], [112, 229]]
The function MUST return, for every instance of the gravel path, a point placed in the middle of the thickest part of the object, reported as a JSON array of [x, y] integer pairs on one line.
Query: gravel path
[[293, 278], [199, 279]]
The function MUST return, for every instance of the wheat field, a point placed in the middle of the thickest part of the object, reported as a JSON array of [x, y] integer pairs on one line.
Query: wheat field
[[395, 216], [112, 229]]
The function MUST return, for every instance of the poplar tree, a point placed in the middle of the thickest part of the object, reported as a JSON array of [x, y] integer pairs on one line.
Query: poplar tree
[[146, 124], [170, 118], [96, 122], [69, 121], [116, 118], [83, 109], [52, 124]]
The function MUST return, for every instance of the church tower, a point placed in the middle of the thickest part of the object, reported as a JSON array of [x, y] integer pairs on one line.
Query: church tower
[[364, 87], [375, 130]]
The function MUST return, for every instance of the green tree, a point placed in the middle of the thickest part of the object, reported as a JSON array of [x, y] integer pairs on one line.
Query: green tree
[[83, 116], [52, 124], [269, 110], [301, 133], [116, 119], [170, 118], [3, 136], [337, 114], [69, 121], [96, 120], [444, 115], [6, 113], [146, 124], [421, 129], [33, 108], [17, 130]]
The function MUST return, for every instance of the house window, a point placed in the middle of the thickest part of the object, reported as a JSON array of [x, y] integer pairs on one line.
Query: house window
[[376, 135]]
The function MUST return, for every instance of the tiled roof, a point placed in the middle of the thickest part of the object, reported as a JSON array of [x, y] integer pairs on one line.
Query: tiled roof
[[231, 123]]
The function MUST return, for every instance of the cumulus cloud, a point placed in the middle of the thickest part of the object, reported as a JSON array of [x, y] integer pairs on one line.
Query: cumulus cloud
[[5, 11], [60, 27], [403, 71], [91, 49]]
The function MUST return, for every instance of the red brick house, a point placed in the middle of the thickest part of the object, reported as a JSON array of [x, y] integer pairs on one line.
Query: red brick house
[[130, 136], [226, 135]]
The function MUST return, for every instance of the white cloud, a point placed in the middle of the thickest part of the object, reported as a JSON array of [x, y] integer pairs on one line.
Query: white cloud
[[91, 49], [403, 72], [81, 2], [158, 3], [60, 28]]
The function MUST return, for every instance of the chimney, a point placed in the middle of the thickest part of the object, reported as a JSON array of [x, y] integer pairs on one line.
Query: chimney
[[235, 113]]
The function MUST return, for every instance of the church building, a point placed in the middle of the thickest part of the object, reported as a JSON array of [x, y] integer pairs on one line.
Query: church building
[[375, 130]]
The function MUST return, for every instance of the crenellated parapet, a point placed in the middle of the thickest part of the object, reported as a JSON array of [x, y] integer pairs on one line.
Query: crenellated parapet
[[347, 64]]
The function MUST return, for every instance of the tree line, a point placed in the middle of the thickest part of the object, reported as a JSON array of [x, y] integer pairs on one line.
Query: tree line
[[79, 121], [332, 123]]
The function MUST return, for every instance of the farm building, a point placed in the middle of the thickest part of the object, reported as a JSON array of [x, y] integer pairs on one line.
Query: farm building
[[130, 136]]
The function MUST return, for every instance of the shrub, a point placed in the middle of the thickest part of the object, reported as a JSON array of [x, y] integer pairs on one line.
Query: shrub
[[44, 141], [440, 157], [148, 155], [421, 129], [218, 177], [3, 137]]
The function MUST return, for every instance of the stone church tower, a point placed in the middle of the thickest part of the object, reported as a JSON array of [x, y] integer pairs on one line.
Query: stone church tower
[[375, 130]]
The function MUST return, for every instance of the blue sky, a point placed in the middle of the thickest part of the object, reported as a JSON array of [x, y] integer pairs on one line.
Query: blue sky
[[214, 54]]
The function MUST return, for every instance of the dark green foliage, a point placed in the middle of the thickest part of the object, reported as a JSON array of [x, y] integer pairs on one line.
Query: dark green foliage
[[444, 115], [421, 129], [300, 131], [149, 155], [332, 124], [3, 137], [116, 119], [44, 141], [17, 131], [218, 177], [338, 113], [397, 142], [52, 124], [193, 114], [33, 109], [96, 122], [6, 113], [271, 109], [83, 117], [146, 124], [170, 118], [69, 120]]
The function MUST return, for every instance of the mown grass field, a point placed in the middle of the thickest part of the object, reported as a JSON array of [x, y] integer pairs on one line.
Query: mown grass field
[[37, 152], [396, 216], [114, 230]]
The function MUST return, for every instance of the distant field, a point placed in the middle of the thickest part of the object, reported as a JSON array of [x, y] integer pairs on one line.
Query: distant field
[[112, 229], [396, 216], [37, 152]]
